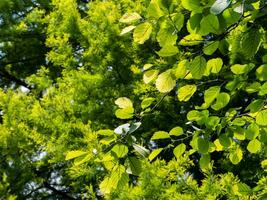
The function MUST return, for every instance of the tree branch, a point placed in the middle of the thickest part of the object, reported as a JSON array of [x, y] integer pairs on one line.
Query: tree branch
[[59, 192]]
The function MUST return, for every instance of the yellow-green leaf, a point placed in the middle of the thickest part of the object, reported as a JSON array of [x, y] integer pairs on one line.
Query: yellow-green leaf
[[150, 75], [127, 30], [120, 150], [198, 67], [186, 92], [154, 154], [160, 135], [176, 131], [124, 102], [124, 113], [165, 81], [129, 17], [74, 154], [236, 156], [254, 146], [261, 118], [142, 32], [179, 150]]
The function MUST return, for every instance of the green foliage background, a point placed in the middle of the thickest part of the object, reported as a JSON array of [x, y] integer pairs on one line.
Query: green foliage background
[[123, 99]]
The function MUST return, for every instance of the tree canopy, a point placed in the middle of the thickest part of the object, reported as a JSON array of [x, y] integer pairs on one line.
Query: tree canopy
[[133, 99]]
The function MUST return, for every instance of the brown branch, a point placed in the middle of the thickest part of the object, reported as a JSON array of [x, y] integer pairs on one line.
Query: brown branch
[[14, 79]]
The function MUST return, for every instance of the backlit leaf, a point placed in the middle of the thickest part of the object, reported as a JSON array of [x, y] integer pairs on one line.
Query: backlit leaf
[[160, 135], [130, 17], [186, 92], [254, 146], [150, 75], [261, 118], [165, 81], [179, 150], [127, 30], [142, 32], [74, 154], [198, 67], [154, 154], [124, 102], [120, 150], [176, 131]]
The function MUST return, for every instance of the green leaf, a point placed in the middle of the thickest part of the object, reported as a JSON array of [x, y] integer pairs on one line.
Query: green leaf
[[219, 6], [135, 167], [186, 92], [107, 140], [124, 102], [160, 135], [147, 102], [125, 113], [209, 24], [181, 68], [106, 132], [253, 87], [211, 47], [166, 36], [176, 131], [154, 9], [192, 24], [261, 118], [225, 141], [252, 131], [244, 189], [168, 50], [239, 69], [165, 81], [211, 94], [120, 150], [127, 30], [191, 40], [250, 42], [194, 115], [203, 145], [214, 66], [198, 67], [142, 32], [110, 182], [179, 150], [154, 154], [261, 72], [236, 156], [239, 122], [192, 5], [147, 66], [239, 132], [150, 75], [204, 161], [221, 101], [264, 164], [230, 16], [255, 105], [178, 20], [263, 89], [74, 154], [254, 146], [212, 122], [129, 17], [141, 150]]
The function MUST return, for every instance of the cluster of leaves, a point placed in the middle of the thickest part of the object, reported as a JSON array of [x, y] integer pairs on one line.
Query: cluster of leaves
[[175, 110]]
